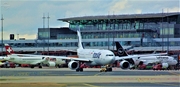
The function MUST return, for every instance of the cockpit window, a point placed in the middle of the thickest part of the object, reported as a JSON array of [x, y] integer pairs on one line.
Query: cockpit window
[[109, 55]]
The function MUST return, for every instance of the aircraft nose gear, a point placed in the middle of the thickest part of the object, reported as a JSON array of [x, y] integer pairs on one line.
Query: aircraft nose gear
[[106, 68], [40, 65]]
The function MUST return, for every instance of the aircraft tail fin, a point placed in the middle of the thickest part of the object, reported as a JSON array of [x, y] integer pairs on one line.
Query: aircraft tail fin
[[80, 46], [8, 49], [154, 52], [120, 50]]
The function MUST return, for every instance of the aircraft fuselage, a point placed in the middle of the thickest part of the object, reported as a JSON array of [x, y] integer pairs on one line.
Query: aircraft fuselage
[[98, 57]]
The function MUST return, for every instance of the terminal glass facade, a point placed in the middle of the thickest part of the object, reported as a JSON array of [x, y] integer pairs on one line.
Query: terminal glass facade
[[150, 28]]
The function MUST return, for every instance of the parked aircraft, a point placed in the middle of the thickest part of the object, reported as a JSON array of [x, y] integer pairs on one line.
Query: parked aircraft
[[33, 60], [128, 61], [94, 56]]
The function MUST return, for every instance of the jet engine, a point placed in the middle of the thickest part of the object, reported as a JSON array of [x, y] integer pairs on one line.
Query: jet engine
[[124, 64], [73, 64], [51, 64]]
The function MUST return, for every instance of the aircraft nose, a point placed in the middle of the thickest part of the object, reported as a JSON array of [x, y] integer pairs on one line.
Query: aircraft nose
[[175, 61], [112, 59]]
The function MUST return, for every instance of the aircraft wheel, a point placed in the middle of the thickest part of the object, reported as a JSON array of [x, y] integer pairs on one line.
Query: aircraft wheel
[[59, 66], [81, 69], [40, 66], [6, 65], [77, 70], [32, 66], [109, 69]]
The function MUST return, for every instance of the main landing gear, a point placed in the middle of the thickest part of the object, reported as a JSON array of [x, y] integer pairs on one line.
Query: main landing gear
[[106, 68], [80, 68], [39, 65], [58, 66], [32, 66]]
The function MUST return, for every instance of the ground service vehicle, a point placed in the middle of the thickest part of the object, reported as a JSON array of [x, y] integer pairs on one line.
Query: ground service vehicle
[[142, 66], [106, 68], [163, 66]]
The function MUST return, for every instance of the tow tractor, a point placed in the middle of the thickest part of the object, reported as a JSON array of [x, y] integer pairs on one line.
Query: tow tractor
[[106, 68]]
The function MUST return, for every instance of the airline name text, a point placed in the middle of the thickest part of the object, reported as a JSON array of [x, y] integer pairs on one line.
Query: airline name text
[[162, 57], [96, 55]]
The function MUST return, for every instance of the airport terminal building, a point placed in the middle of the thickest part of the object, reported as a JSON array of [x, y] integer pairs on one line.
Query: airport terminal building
[[147, 32]]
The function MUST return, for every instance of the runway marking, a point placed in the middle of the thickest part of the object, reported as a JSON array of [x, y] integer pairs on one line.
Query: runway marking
[[73, 74], [140, 80], [174, 73], [4, 79], [98, 73], [90, 85]]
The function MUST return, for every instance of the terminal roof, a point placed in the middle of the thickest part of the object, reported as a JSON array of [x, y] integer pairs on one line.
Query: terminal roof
[[124, 16]]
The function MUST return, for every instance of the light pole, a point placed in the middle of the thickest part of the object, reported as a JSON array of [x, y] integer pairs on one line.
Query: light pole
[[162, 30], [43, 32], [168, 32], [2, 34], [48, 33], [3, 5]]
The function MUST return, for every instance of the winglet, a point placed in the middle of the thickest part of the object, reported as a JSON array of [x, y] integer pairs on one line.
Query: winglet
[[121, 52], [8, 49], [79, 39]]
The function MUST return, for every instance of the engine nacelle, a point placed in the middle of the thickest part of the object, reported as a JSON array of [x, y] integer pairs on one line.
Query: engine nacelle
[[124, 64], [51, 64], [165, 65], [73, 64]]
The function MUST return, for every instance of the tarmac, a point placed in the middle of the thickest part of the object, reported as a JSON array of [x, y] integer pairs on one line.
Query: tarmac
[[91, 77]]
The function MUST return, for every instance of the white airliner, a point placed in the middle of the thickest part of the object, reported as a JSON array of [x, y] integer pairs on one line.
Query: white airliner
[[88, 56], [130, 60], [95, 56], [33, 60]]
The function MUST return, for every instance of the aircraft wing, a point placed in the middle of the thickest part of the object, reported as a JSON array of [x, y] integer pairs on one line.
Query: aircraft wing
[[71, 58], [36, 62], [60, 57], [137, 56], [123, 58], [156, 54], [80, 59]]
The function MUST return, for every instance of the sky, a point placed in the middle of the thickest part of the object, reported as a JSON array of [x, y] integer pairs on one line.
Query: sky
[[24, 17]]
